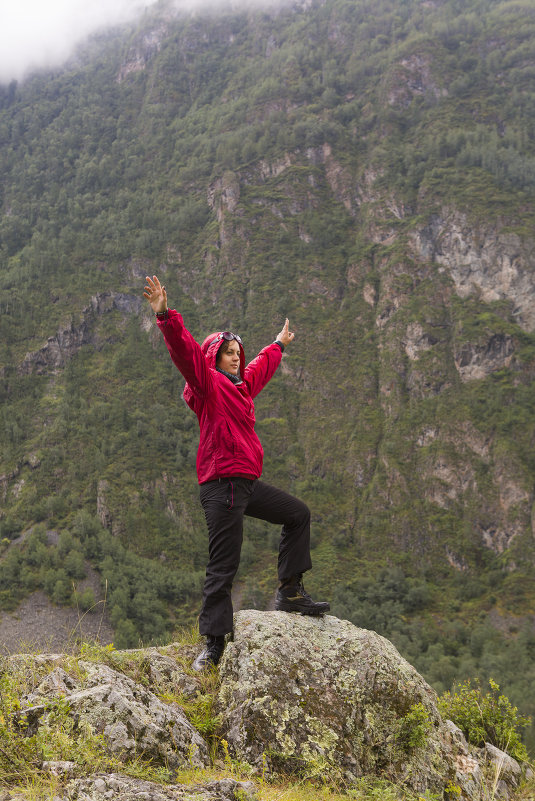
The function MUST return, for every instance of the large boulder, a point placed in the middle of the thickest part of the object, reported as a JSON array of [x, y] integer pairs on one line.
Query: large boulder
[[324, 698]]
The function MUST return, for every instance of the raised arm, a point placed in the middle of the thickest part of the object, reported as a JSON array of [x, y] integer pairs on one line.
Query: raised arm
[[185, 352], [262, 368]]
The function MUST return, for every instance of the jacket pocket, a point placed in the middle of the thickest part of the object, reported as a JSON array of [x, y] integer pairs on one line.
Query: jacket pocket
[[230, 441]]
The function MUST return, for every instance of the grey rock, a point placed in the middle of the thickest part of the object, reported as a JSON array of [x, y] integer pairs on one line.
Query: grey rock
[[29, 718], [477, 360], [103, 511], [124, 788], [55, 353], [133, 720], [162, 667], [482, 261], [329, 699], [61, 768], [505, 772], [164, 671], [57, 683]]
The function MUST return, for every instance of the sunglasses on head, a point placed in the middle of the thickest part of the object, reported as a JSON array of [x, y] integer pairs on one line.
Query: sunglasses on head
[[228, 335]]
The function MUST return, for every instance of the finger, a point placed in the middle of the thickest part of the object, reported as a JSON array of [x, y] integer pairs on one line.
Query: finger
[[149, 281], [157, 283]]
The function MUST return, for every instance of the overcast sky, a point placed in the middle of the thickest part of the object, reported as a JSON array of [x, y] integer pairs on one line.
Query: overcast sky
[[37, 33], [43, 33]]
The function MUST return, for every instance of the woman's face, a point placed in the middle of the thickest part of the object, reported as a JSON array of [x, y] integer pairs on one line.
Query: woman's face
[[228, 358]]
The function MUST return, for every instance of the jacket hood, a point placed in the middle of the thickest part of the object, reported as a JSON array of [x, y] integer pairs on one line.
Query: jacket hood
[[211, 348]]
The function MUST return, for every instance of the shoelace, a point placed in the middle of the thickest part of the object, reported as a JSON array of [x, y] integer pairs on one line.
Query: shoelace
[[302, 590], [214, 648]]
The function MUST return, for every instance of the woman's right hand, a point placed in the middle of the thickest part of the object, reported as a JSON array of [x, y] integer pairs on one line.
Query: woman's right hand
[[155, 294]]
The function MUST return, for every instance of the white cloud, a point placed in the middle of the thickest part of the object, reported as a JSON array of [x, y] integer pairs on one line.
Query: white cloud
[[44, 33], [38, 33]]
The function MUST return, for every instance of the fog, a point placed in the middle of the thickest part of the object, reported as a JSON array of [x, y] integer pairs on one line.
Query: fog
[[44, 33]]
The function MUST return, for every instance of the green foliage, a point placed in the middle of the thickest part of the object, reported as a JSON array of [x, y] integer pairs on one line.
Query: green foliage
[[138, 592], [485, 717], [413, 728], [458, 649], [19, 754]]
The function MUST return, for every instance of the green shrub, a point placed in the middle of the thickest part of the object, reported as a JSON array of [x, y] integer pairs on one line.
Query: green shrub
[[18, 753], [488, 717], [413, 728]]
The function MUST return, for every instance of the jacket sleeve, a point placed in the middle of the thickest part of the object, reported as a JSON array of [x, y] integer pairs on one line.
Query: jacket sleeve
[[186, 354], [261, 370]]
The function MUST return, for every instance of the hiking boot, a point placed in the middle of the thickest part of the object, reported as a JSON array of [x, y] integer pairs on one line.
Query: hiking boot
[[210, 656], [291, 597]]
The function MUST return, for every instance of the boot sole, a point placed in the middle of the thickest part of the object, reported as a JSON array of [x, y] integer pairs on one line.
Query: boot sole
[[282, 607]]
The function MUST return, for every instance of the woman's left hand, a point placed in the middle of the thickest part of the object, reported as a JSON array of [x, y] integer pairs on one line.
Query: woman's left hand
[[285, 336]]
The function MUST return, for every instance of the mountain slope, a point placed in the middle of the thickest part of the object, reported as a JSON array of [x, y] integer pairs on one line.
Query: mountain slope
[[367, 170]]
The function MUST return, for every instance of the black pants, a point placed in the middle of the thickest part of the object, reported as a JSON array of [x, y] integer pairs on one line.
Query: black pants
[[225, 501]]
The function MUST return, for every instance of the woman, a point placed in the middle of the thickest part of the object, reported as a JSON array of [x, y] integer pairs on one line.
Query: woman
[[220, 389]]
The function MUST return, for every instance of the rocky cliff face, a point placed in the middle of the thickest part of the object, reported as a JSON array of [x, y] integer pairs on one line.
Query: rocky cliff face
[[67, 341], [315, 697], [481, 260]]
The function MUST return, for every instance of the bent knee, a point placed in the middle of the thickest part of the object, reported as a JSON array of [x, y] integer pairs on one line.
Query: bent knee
[[301, 515]]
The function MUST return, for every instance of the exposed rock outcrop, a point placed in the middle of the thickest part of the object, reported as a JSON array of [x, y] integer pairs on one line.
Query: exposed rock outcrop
[[103, 511], [130, 717], [412, 77], [478, 360], [319, 697], [146, 47], [482, 261], [62, 346]]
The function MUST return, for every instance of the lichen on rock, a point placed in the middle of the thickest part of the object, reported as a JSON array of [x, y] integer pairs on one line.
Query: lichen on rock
[[132, 720], [124, 788], [318, 695]]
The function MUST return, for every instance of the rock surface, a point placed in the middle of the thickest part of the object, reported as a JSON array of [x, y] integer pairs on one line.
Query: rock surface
[[61, 347], [317, 697], [325, 698], [492, 264], [123, 788], [132, 719]]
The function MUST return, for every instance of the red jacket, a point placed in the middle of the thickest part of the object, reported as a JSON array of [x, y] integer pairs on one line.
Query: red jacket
[[228, 444]]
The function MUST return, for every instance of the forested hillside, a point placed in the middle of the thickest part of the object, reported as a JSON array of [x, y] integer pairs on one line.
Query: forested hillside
[[366, 169]]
